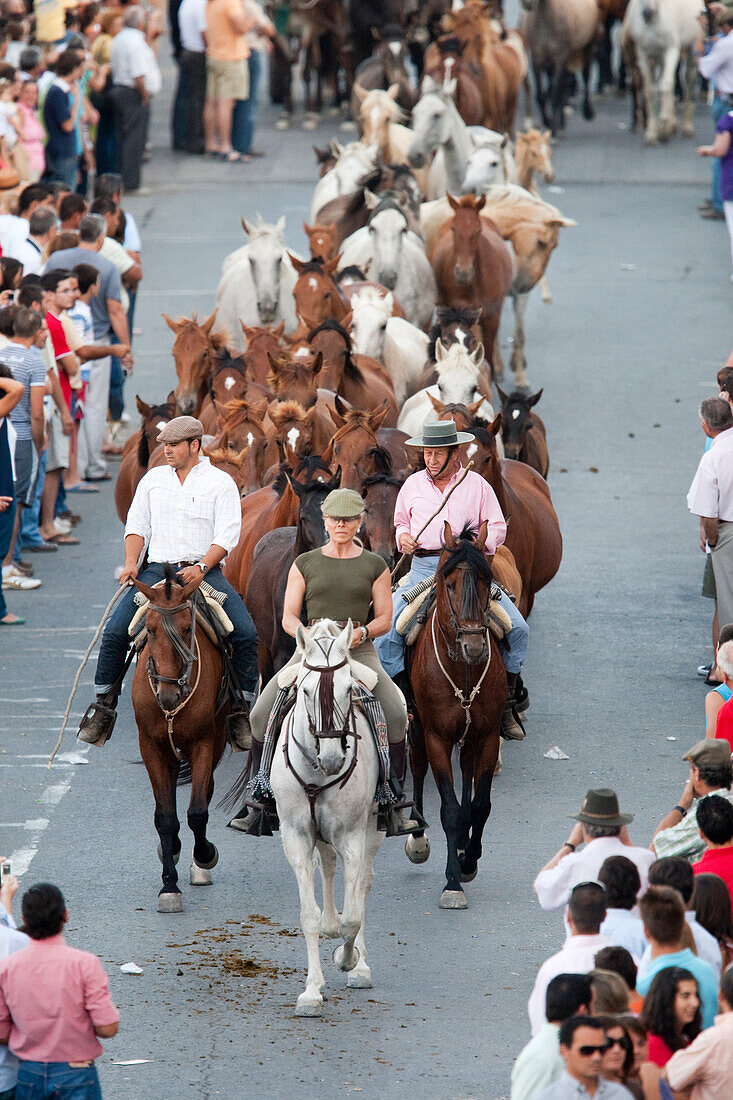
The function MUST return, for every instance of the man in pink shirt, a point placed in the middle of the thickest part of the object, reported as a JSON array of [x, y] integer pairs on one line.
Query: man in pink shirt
[[472, 502], [54, 1003]]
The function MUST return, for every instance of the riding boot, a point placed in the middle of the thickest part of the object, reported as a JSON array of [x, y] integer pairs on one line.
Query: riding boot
[[257, 820], [392, 817], [99, 720], [238, 728], [511, 724]]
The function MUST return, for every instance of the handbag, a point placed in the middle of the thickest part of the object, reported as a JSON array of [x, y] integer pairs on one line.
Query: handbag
[[9, 177]]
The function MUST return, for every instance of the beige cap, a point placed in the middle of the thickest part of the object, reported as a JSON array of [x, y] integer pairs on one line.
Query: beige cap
[[180, 429], [712, 750]]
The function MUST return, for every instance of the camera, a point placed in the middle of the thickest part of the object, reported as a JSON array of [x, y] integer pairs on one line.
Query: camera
[[6, 871]]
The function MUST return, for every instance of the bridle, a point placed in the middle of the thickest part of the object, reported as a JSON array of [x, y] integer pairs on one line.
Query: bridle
[[455, 622], [189, 655]]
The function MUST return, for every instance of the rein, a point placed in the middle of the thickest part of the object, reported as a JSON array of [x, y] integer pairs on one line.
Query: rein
[[188, 655], [464, 698]]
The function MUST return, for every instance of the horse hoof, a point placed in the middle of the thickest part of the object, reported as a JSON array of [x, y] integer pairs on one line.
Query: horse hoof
[[309, 1006], [688, 130], [199, 876], [338, 957], [176, 857], [417, 849], [469, 876], [360, 979], [170, 903], [212, 862], [453, 899]]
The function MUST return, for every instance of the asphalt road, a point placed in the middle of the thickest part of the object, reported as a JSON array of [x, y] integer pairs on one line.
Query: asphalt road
[[639, 325]]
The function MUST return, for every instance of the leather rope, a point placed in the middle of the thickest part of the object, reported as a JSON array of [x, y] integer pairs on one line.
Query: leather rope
[[466, 700]]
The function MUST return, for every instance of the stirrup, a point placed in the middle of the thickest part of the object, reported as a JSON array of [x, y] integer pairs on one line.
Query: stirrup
[[390, 821], [104, 711], [262, 820]]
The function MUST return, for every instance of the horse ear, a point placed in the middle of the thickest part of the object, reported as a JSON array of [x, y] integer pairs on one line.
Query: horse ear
[[208, 324], [290, 456], [389, 300], [259, 408], [221, 410], [475, 315], [504, 397], [547, 135], [483, 531], [278, 332], [437, 405], [346, 321], [142, 408], [535, 398], [377, 416], [440, 350], [343, 640], [330, 266], [190, 588], [393, 91], [495, 425], [336, 147], [273, 361], [480, 203], [297, 264], [302, 637], [454, 204], [360, 92], [317, 363], [371, 200], [280, 225], [448, 541], [340, 407], [477, 357], [474, 407], [337, 418], [562, 221], [174, 326], [307, 229], [245, 227], [311, 415], [147, 591]]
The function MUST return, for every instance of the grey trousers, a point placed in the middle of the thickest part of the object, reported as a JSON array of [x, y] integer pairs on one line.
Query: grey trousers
[[131, 127], [388, 694], [722, 557]]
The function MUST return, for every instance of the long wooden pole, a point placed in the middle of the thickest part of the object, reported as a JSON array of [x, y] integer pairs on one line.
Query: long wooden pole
[[437, 512]]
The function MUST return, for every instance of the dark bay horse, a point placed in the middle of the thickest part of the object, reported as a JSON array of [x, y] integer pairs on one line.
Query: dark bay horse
[[456, 656], [174, 693], [379, 491], [523, 431]]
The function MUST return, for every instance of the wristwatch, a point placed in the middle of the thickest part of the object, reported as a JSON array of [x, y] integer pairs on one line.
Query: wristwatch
[[203, 567], [364, 635]]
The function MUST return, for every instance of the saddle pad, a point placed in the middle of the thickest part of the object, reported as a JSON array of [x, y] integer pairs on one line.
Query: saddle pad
[[215, 610], [500, 624], [287, 676]]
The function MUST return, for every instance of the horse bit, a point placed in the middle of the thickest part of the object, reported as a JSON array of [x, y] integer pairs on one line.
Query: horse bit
[[188, 655]]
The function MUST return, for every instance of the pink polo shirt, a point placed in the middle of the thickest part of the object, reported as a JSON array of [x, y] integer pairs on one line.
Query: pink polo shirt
[[473, 502], [51, 999]]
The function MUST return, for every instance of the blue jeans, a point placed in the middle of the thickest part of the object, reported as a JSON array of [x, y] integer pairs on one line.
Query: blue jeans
[[243, 117], [718, 109], [29, 535], [63, 169], [391, 646], [56, 1081], [116, 384], [116, 640]]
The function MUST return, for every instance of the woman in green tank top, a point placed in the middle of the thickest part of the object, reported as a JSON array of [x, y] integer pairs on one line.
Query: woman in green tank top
[[340, 581]]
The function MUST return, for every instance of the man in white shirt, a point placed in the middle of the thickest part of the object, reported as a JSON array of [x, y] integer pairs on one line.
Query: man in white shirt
[[586, 912], [135, 79], [41, 231], [191, 91], [711, 498], [189, 515], [539, 1063], [14, 227], [603, 830]]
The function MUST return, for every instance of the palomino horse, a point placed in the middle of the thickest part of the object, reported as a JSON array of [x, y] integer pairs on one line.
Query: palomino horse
[[323, 241], [532, 155], [138, 450], [394, 341], [381, 120], [558, 33], [324, 781], [393, 256], [193, 351], [174, 693], [473, 266], [523, 431], [458, 683], [361, 381], [256, 285]]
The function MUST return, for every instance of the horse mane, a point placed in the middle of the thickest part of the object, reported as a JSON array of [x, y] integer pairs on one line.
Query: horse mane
[[240, 410], [450, 43], [216, 339], [398, 170], [312, 267], [143, 448], [387, 201], [294, 370], [226, 361], [287, 410], [169, 575], [383, 474], [355, 200], [225, 456], [469, 554], [479, 427], [395, 112], [350, 272]]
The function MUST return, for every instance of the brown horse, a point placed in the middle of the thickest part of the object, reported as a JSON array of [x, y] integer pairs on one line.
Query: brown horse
[[288, 424], [294, 378], [193, 351], [533, 530], [138, 450], [229, 379], [458, 683], [260, 343], [179, 672], [523, 432], [444, 61], [243, 433], [316, 294], [379, 491], [323, 241], [473, 266], [355, 444], [500, 61], [360, 380]]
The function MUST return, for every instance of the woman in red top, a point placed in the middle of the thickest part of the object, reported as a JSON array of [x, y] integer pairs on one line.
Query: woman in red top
[[671, 1013]]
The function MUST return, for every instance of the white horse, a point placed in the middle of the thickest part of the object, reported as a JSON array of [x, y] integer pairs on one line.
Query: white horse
[[257, 282], [355, 161], [662, 33], [460, 382], [341, 820], [489, 164], [388, 252], [401, 346]]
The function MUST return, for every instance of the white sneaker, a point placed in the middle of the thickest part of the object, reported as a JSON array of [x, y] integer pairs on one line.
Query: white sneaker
[[14, 579], [62, 525]]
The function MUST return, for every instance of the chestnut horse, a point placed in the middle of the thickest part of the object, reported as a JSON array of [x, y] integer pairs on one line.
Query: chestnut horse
[[229, 379], [473, 266], [316, 294], [288, 424], [193, 351], [499, 58], [138, 450], [523, 431], [459, 687], [361, 381], [174, 694], [260, 342], [444, 62], [323, 241], [242, 432], [355, 444]]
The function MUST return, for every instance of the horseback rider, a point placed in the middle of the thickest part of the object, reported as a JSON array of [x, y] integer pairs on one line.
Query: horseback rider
[[340, 581], [190, 515], [472, 502]]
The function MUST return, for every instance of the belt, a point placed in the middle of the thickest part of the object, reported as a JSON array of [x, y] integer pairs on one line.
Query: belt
[[426, 553], [339, 622], [183, 564]]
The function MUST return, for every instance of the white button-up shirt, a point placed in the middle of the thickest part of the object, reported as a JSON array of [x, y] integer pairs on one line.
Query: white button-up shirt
[[569, 1088], [131, 57], [553, 887], [192, 25], [538, 1064], [181, 521], [711, 492], [717, 65], [576, 957]]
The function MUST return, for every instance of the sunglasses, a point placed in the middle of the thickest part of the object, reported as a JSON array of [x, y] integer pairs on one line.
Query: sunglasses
[[610, 1043], [589, 1051]]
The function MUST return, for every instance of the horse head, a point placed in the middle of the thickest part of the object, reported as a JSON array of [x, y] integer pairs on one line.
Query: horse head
[[379, 491], [293, 426], [463, 584], [192, 352], [458, 371], [355, 442], [316, 294], [532, 154], [466, 228], [485, 166], [311, 530], [454, 325], [154, 419], [171, 644], [266, 255], [387, 230], [431, 123], [243, 434], [228, 377], [294, 378], [371, 310], [516, 419], [322, 240], [324, 690]]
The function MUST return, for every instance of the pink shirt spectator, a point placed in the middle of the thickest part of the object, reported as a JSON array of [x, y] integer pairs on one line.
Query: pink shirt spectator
[[473, 502], [32, 139], [51, 999]]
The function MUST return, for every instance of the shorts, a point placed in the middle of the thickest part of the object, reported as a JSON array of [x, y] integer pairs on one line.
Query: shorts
[[26, 471], [708, 579], [227, 79], [58, 444]]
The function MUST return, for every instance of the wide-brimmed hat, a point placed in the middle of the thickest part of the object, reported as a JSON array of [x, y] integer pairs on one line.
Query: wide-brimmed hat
[[439, 433], [601, 808], [180, 428], [343, 504], [712, 751]]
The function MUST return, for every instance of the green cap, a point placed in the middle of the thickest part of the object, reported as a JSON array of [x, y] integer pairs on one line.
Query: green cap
[[343, 504]]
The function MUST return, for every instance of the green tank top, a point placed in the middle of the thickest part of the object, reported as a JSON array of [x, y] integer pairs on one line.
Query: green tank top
[[339, 588]]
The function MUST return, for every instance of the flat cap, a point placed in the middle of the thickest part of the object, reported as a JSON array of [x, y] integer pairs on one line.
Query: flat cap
[[712, 750], [343, 504], [180, 428]]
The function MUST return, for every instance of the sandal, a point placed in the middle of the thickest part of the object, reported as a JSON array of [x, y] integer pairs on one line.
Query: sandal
[[63, 540]]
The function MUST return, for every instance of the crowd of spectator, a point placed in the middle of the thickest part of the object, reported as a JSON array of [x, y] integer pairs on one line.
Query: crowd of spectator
[[638, 1000]]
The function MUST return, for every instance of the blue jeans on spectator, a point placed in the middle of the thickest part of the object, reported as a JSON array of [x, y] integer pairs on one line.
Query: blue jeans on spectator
[[718, 109], [7, 1094], [57, 1081], [63, 169], [243, 118], [116, 641], [116, 385], [29, 535], [61, 505], [7, 519]]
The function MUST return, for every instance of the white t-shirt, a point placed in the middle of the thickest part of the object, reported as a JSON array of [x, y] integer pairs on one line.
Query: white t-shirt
[[133, 243], [81, 315], [192, 25], [13, 230]]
